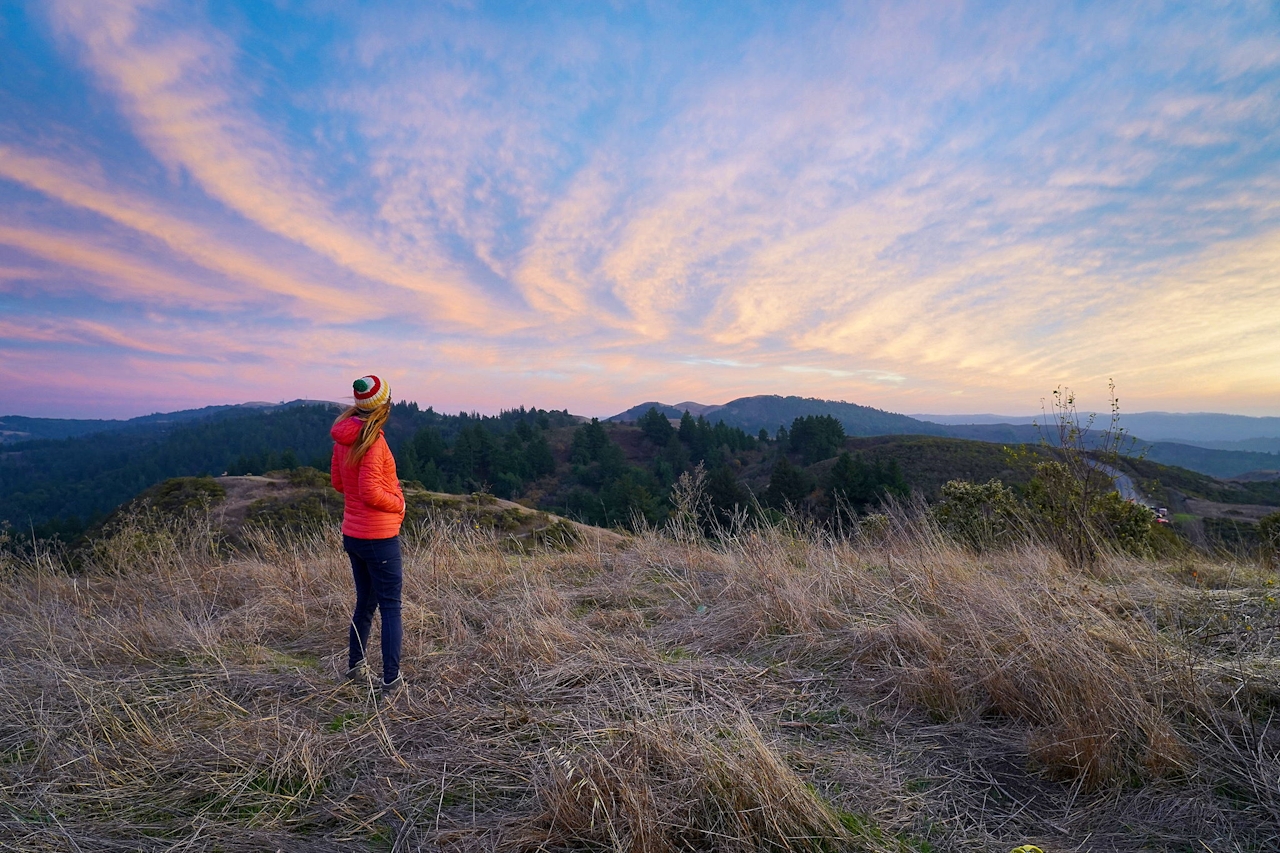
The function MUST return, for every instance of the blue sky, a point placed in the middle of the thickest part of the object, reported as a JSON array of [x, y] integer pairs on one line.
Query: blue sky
[[922, 207]]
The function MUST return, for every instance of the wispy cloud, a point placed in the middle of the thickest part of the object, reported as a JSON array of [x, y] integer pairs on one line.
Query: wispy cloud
[[869, 375], [180, 93], [65, 183], [719, 362], [890, 202]]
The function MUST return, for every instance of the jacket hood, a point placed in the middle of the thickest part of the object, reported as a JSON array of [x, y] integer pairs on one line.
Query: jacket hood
[[347, 431]]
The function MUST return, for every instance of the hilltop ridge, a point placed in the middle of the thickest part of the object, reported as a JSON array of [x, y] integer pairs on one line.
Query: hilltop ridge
[[17, 428], [770, 411]]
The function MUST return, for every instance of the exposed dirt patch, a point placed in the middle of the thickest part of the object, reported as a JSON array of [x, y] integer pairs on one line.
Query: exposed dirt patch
[[1236, 512], [242, 492], [1256, 477]]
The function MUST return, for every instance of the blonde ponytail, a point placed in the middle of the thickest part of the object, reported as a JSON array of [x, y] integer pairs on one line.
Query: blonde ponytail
[[369, 431]]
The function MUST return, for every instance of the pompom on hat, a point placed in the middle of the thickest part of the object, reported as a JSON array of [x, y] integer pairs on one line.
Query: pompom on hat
[[370, 392]]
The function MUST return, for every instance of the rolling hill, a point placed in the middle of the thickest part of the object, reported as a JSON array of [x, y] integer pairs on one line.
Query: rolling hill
[[17, 428], [1232, 457], [770, 411]]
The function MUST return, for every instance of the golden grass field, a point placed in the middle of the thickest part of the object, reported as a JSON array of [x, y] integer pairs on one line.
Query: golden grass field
[[773, 690]]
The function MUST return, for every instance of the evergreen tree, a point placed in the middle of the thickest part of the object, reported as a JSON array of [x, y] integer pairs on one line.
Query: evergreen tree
[[816, 437], [787, 485], [472, 454], [407, 462], [538, 460], [656, 427], [507, 485], [627, 495], [429, 446], [726, 494], [589, 441], [430, 477], [893, 480], [510, 458], [855, 483], [688, 429], [597, 459]]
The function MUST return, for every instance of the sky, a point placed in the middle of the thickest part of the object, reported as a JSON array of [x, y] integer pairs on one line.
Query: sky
[[923, 207]]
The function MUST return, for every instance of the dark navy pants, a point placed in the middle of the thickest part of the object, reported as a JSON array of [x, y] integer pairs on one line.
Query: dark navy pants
[[376, 569]]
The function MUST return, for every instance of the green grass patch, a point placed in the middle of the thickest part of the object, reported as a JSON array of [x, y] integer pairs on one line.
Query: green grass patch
[[342, 721], [865, 828]]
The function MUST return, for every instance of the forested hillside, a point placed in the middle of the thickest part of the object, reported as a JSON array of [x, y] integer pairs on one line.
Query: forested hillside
[[602, 474], [63, 486], [607, 474], [16, 428], [1216, 463]]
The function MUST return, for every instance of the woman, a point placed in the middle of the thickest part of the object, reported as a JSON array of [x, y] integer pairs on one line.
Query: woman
[[364, 471]]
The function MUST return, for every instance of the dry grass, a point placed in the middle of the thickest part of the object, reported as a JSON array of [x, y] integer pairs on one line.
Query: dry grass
[[773, 691]]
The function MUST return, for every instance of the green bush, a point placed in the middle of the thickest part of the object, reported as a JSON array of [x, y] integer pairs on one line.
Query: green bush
[[1082, 516], [981, 516], [307, 476], [1072, 500], [181, 494], [1125, 526], [296, 512]]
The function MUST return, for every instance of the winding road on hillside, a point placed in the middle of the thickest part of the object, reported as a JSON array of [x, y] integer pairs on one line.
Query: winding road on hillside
[[1124, 484]]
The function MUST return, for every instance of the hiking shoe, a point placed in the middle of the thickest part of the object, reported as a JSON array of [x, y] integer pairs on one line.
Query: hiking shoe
[[359, 672], [388, 689]]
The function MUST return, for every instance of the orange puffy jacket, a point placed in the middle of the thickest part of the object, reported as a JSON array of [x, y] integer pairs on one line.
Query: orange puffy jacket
[[373, 503]]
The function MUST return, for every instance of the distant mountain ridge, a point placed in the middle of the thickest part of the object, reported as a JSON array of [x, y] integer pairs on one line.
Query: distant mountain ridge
[[15, 428], [1257, 445], [671, 410], [1222, 454], [1208, 429], [1223, 464], [967, 420], [770, 411]]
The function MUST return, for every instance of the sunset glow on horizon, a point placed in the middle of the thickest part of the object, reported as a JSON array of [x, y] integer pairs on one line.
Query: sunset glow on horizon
[[930, 207]]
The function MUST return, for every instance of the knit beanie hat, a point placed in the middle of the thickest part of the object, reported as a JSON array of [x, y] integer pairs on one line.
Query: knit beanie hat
[[370, 392]]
